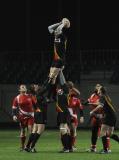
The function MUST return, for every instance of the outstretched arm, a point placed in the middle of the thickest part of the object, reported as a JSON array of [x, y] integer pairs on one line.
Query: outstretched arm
[[53, 27]]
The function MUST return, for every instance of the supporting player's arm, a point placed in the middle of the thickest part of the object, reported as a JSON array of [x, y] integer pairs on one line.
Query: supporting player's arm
[[63, 82], [97, 108]]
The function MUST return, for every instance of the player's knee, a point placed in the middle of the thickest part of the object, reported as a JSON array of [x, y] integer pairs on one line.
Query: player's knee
[[103, 133], [63, 131], [30, 128], [41, 129], [54, 72]]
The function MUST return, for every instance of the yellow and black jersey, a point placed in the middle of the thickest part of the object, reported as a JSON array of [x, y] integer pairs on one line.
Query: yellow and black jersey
[[60, 43], [62, 100], [109, 110], [41, 104]]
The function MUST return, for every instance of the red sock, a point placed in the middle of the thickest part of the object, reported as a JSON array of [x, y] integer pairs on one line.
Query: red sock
[[108, 142], [23, 138]]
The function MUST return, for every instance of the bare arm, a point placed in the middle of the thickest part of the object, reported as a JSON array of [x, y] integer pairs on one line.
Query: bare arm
[[77, 91], [95, 109]]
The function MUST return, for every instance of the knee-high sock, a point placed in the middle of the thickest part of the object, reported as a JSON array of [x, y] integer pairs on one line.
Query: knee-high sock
[[104, 140], [31, 137], [35, 139], [94, 136], [108, 141], [69, 142], [65, 141]]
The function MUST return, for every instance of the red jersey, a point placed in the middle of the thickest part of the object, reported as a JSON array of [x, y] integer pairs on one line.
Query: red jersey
[[75, 103], [25, 103], [94, 98]]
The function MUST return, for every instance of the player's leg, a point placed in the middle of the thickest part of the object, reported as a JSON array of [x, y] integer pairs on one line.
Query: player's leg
[[55, 69], [64, 136], [23, 125], [73, 134], [30, 123], [115, 137], [31, 137], [106, 130], [94, 135], [40, 120], [40, 130], [23, 138]]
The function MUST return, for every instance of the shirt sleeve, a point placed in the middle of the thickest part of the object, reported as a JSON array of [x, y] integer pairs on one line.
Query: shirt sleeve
[[102, 101], [15, 103], [53, 27]]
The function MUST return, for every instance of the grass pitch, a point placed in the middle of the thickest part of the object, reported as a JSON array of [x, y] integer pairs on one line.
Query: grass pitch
[[49, 145]]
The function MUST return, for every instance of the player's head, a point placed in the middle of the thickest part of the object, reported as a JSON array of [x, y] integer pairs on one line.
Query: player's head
[[101, 90], [22, 88], [66, 22], [60, 91], [70, 84], [97, 87], [33, 88]]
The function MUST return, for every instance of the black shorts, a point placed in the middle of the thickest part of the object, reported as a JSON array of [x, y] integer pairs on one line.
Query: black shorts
[[110, 121], [40, 117], [59, 63], [63, 117]]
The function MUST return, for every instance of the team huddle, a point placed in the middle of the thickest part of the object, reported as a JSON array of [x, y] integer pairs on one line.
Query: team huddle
[[30, 106]]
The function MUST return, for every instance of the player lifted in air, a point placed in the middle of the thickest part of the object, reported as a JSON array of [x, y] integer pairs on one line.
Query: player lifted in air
[[60, 43]]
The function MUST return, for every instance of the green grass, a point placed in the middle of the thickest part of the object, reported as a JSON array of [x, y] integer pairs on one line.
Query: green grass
[[49, 145]]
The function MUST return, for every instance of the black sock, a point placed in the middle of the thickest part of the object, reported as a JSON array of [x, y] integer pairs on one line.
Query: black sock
[[94, 135], [65, 141], [69, 142], [115, 137], [36, 137], [104, 141], [31, 137]]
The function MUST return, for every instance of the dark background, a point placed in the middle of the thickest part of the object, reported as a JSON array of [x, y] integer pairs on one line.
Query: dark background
[[94, 24], [26, 46]]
